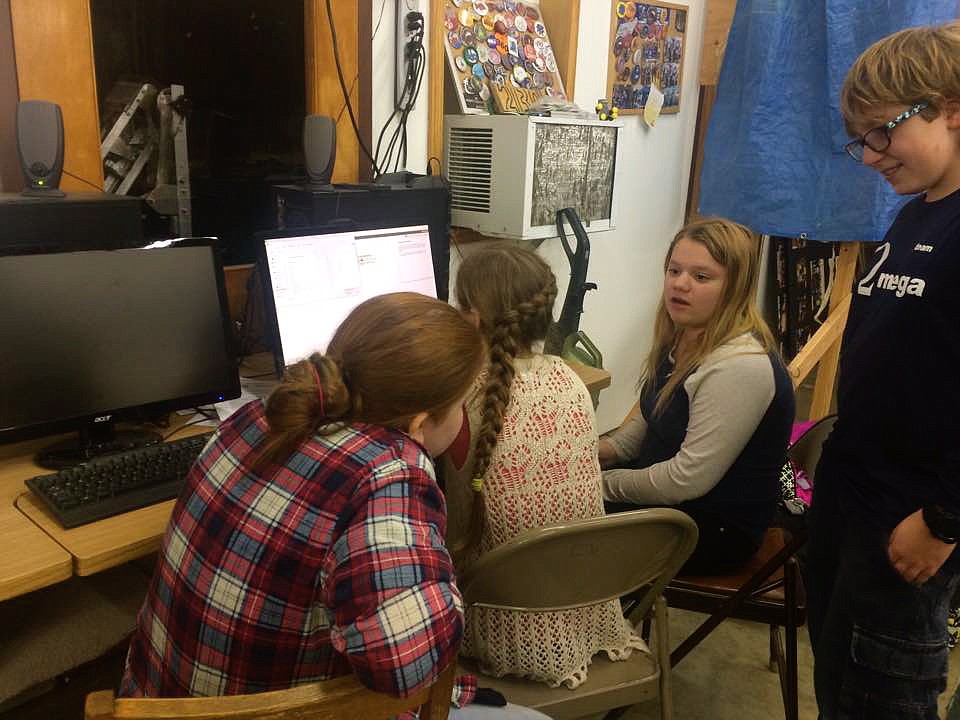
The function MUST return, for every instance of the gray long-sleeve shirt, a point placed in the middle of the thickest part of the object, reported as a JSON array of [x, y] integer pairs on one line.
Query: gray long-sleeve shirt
[[728, 396]]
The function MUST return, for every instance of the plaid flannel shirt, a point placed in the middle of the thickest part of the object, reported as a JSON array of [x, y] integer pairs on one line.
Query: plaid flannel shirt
[[330, 564]]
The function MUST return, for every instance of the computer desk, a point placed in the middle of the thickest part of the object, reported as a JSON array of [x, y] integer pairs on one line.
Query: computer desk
[[35, 551]]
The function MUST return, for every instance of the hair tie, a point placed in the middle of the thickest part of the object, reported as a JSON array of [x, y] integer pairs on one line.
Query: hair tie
[[316, 377], [477, 484]]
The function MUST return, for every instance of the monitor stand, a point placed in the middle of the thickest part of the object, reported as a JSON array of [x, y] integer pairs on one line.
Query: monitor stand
[[94, 440]]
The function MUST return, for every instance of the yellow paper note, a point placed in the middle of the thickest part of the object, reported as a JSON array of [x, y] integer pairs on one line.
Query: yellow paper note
[[651, 111]]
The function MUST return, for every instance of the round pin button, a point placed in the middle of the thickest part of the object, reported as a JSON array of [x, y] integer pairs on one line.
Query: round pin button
[[538, 81], [508, 60], [635, 74], [529, 52], [450, 21], [538, 45], [519, 74], [499, 26], [539, 29], [454, 39], [466, 34], [520, 23], [488, 22], [460, 63], [521, 9], [471, 86], [470, 55], [492, 42], [532, 13], [487, 68], [495, 57], [465, 17], [551, 62], [631, 11], [540, 64], [480, 7], [621, 9]]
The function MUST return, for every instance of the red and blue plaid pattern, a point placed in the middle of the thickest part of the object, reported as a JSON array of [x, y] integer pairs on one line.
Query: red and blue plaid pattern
[[330, 564]]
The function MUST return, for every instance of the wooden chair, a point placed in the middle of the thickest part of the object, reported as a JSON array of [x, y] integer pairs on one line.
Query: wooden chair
[[767, 590], [333, 699], [580, 563]]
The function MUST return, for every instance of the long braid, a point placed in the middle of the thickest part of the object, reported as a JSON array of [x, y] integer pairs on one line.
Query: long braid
[[513, 332]]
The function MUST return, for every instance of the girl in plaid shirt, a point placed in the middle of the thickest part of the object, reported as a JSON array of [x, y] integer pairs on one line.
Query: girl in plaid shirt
[[308, 541]]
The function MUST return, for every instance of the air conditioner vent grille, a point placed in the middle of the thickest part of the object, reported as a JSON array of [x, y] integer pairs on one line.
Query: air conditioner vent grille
[[469, 168]]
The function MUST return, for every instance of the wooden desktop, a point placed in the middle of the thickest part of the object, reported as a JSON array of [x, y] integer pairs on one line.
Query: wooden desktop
[[35, 551]]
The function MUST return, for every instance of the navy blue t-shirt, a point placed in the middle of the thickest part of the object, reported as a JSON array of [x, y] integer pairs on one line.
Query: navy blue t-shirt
[[896, 445]]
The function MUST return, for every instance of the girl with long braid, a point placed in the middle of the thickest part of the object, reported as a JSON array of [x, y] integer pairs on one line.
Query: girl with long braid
[[532, 461]]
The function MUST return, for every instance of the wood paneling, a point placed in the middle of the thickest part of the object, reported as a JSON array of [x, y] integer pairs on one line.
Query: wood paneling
[[53, 43], [10, 178], [324, 93]]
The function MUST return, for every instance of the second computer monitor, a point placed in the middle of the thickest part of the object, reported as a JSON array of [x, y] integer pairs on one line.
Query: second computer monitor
[[316, 277]]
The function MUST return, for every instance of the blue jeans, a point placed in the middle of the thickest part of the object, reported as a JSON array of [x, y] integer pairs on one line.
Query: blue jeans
[[879, 643]]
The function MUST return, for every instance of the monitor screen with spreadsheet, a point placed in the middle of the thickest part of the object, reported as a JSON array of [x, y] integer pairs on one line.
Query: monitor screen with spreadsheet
[[316, 277]]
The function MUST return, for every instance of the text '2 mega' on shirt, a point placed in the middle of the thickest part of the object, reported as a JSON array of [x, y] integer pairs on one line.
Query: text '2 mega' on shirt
[[896, 443]]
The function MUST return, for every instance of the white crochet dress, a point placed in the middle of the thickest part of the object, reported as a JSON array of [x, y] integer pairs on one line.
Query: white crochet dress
[[544, 470]]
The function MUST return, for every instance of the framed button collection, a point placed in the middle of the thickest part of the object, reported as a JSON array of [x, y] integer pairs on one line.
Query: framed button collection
[[499, 55], [647, 42]]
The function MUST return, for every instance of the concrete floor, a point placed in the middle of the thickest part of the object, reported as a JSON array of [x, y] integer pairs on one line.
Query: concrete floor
[[726, 676]]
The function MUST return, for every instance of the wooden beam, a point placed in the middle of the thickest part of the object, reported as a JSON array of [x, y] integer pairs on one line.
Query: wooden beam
[[817, 347], [365, 85], [827, 371], [715, 31], [53, 45], [562, 18], [436, 67], [324, 93]]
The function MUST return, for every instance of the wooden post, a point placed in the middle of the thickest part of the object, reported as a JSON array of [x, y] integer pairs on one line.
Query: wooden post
[[829, 363], [324, 94]]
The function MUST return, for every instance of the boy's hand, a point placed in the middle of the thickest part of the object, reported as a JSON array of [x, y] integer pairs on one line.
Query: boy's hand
[[608, 456], [914, 552]]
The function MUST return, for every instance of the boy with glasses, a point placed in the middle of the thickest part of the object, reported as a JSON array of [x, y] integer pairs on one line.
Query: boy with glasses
[[879, 565]]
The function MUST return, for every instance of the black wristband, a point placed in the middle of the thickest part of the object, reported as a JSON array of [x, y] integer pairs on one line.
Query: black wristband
[[943, 525]]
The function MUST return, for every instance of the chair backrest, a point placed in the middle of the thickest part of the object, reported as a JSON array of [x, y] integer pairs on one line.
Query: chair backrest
[[805, 452], [328, 700], [583, 562]]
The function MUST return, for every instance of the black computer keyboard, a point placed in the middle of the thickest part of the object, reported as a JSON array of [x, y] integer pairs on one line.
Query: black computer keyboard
[[118, 483]]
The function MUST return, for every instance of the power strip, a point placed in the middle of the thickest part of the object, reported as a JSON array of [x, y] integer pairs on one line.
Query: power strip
[[407, 30]]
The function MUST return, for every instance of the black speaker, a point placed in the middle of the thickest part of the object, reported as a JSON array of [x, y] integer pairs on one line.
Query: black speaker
[[319, 150], [40, 146]]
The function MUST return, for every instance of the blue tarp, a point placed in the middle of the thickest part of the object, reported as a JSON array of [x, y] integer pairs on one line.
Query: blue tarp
[[774, 157]]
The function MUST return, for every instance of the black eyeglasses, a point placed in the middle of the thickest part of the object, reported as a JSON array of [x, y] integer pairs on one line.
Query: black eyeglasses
[[878, 139]]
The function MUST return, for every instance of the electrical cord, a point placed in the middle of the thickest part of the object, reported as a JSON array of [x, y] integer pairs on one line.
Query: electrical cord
[[86, 182], [346, 93], [396, 150], [185, 425]]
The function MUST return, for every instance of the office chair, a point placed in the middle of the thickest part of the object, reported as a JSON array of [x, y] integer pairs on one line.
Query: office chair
[[580, 563], [333, 699], [768, 589]]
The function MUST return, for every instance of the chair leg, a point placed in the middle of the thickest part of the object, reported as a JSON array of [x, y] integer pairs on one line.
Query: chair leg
[[663, 659], [791, 580], [772, 664]]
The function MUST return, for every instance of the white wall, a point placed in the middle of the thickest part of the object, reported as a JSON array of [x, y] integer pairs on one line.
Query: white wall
[[384, 69], [651, 195]]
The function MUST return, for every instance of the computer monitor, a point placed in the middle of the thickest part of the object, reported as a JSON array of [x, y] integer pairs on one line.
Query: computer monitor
[[93, 337], [315, 277]]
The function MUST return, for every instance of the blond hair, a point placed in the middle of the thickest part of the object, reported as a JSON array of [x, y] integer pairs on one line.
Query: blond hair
[[736, 249], [512, 290], [393, 357], [920, 64]]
